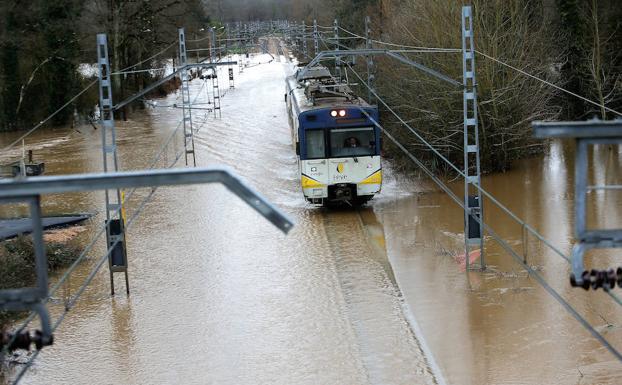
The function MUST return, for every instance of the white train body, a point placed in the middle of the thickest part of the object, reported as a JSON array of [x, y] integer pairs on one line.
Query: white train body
[[337, 140]]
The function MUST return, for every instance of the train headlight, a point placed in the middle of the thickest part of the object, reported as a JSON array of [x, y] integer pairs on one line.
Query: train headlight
[[333, 113], [342, 113]]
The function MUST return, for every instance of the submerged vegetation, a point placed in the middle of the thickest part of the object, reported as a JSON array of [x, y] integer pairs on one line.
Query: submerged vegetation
[[17, 264]]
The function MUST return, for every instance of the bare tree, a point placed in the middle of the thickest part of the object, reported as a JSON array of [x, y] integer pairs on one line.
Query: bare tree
[[512, 31]]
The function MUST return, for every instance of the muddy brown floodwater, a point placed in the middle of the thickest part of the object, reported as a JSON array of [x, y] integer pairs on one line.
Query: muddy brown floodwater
[[373, 296]]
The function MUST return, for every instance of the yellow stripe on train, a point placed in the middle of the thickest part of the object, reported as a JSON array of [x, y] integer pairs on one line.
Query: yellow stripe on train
[[309, 183], [375, 178]]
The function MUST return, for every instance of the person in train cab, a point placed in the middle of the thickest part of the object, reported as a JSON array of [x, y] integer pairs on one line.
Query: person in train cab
[[351, 142]]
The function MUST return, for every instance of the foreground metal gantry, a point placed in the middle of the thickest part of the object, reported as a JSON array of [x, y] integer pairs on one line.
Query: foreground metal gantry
[[587, 134], [30, 190], [473, 205], [115, 223]]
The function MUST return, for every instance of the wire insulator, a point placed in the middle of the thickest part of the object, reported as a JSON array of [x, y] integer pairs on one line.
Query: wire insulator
[[596, 279]]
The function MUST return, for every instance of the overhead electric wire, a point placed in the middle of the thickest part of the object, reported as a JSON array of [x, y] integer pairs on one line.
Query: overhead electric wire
[[434, 49], [337, 44], [549, 83], [198, 40], [41, 123], [139, 71], [423, 48], [150, 58], [541, 280], [53, 114], [350, 32]]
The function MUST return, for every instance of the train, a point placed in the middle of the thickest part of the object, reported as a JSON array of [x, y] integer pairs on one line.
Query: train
[[337, 139]]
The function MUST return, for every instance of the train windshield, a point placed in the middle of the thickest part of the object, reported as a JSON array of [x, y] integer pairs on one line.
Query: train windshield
[[347, 142], [315, 144]]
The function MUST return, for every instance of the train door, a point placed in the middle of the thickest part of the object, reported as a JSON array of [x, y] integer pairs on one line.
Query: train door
[[313, 163]]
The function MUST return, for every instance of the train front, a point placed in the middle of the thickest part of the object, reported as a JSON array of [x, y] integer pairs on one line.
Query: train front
[[340, 155]]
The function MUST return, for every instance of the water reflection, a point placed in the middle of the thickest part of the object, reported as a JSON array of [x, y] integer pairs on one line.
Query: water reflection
[[501, 326]]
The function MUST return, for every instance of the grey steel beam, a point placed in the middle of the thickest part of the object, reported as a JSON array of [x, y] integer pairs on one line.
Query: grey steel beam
[[423, 68], [585, 134], [589, 129], [375, 51], [100, 181]]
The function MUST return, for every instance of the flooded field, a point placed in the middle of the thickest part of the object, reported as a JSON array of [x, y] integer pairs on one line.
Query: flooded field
[[370, 296]]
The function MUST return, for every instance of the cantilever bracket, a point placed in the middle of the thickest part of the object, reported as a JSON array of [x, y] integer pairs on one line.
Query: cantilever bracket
[[374, 51]]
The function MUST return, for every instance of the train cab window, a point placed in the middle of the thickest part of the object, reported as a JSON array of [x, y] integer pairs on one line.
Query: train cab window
[[347, 142], [315, 144]]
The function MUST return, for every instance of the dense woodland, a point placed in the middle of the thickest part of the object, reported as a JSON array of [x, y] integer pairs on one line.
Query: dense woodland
[[43, 43], [575, 44]]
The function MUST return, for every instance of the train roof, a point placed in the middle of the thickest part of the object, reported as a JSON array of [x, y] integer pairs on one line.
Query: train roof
[[317, 72], [320, 76]]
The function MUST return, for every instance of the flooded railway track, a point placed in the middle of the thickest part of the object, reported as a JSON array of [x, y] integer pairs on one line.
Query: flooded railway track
[[218, 297], [373, 300]]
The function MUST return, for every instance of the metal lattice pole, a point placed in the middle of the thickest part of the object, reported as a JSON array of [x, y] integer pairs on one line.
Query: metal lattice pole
[[216, 92], [370, 62], [115, 229], [337, 59], [473, 231], [186, 102], [229, 58], [316, 46]]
